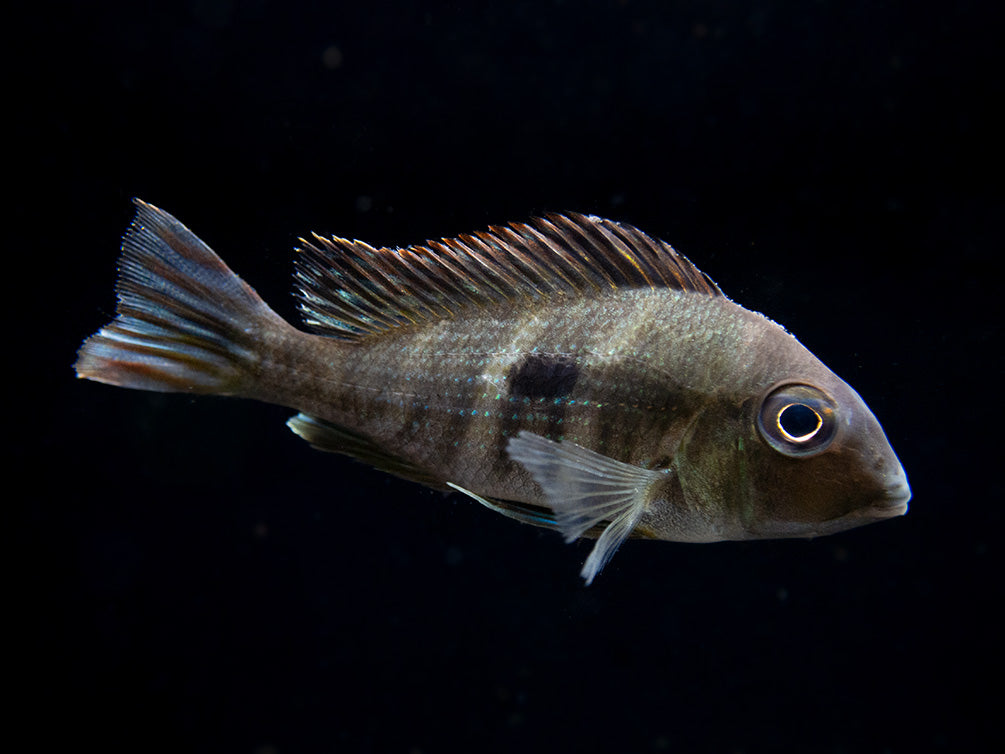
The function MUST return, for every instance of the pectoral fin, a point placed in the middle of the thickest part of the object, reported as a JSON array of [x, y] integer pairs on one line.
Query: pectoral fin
[[586, 490]]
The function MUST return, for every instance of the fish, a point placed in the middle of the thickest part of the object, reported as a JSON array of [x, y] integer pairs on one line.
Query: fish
[[569, 372]]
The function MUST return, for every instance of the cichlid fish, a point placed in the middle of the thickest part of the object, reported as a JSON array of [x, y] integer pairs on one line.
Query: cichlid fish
[[571, 372]]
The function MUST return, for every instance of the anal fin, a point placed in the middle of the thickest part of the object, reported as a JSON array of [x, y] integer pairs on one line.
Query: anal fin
[[333, 438]]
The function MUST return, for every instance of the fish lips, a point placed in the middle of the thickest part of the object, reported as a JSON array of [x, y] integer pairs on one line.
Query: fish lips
[[895, 499]]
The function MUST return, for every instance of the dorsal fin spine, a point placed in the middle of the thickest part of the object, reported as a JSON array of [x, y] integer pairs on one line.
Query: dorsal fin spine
[[476, 278], [573, 232], [482, 271], [517, 257], [485, 254], [526, 278], [584, 259], [371, 266], [364, 300], [549, 271], [375, 303], [650, 251], [646, 253], [443, 261], [566, 258], [355, 303], [632, 259]]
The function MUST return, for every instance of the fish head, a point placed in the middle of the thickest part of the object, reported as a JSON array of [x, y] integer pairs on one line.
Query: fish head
[[814, 461]]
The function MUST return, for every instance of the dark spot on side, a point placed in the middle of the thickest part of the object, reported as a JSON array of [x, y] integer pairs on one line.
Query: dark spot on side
[[543, 375]]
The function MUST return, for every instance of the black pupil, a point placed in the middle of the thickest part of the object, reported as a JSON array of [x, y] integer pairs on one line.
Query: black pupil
[[798, 420]]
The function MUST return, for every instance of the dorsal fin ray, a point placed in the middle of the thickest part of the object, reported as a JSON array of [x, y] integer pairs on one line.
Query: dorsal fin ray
[[351, 290]]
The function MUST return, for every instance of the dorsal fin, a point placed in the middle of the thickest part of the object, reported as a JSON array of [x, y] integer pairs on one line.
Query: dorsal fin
[[349, 289]]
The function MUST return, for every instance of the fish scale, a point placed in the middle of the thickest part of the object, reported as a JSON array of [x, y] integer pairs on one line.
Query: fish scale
[[420, 390]]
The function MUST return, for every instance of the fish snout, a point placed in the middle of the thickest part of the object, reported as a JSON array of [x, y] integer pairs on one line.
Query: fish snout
[[895, 497]]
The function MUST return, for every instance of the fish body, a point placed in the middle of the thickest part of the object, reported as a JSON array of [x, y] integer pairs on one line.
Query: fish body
[[572, 373]]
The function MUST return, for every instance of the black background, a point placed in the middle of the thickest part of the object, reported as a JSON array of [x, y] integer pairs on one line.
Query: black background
[[189, 576]]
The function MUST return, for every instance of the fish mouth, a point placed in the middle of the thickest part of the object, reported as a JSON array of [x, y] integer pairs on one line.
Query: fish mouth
[[890, 503], [894, 500], [893, 503]]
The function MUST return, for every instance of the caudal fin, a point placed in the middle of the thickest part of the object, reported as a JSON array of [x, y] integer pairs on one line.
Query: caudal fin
[[185, 322]]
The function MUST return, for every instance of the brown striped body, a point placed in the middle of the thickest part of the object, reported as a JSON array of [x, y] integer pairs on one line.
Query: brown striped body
[[635, 372]]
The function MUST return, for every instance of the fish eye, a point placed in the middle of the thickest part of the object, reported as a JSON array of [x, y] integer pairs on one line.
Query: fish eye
[[797, 420]]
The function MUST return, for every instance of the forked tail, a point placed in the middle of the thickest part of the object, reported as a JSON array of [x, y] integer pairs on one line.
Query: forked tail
[[185, 322]]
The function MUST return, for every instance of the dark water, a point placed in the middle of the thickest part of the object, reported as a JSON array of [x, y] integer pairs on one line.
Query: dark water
[[188, 576]]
